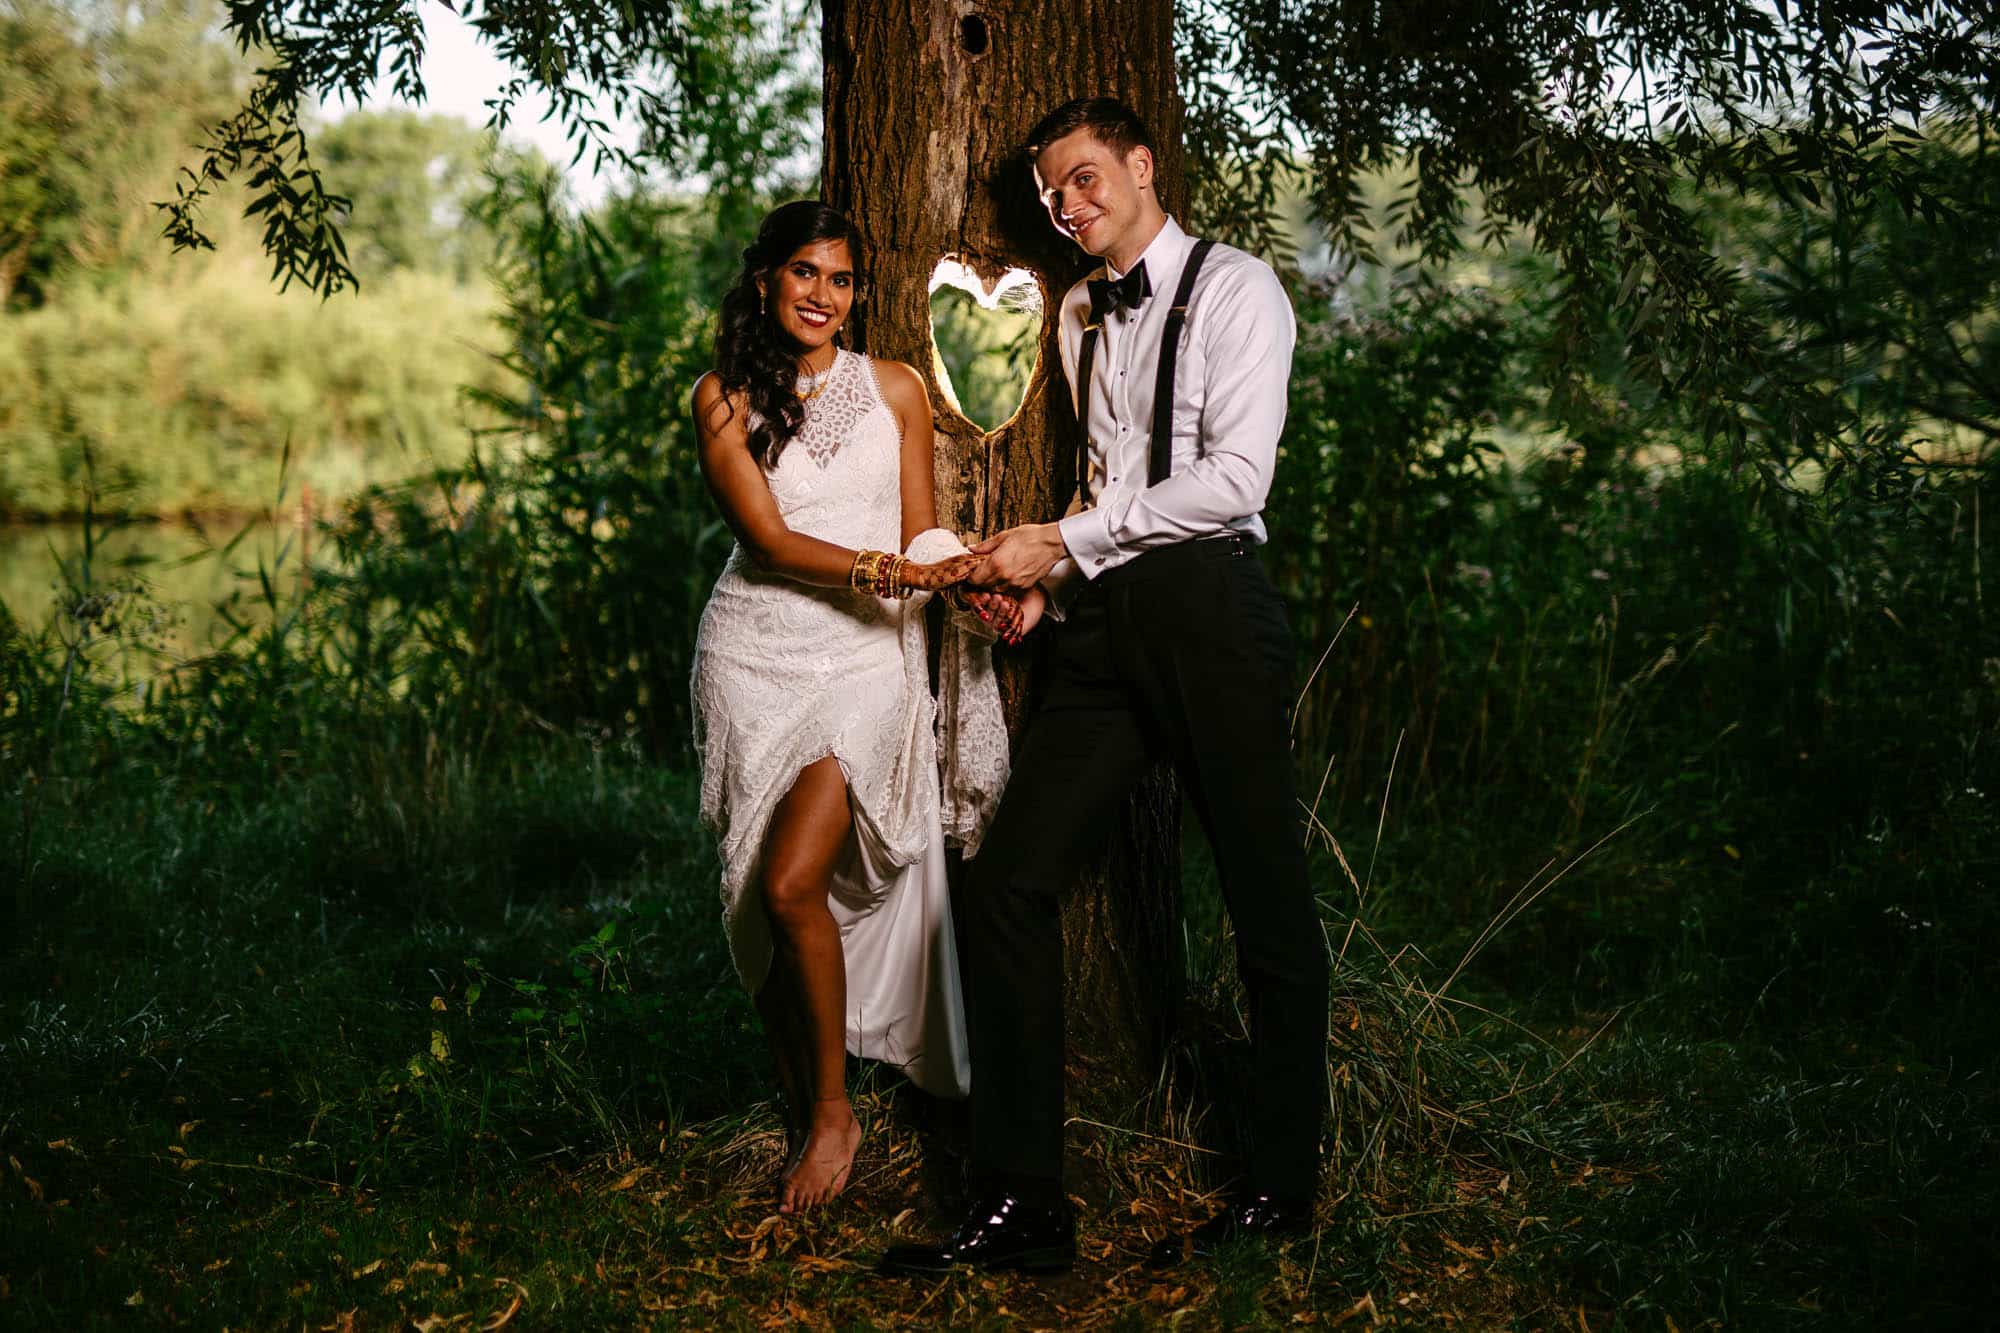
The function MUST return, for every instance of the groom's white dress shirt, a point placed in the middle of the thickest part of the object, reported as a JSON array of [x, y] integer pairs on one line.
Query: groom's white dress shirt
[[1229, 407]]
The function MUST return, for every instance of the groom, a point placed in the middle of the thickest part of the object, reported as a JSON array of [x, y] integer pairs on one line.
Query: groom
[[1172, 644]]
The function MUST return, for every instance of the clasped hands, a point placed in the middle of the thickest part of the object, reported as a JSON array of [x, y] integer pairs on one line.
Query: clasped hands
[[999, 579]]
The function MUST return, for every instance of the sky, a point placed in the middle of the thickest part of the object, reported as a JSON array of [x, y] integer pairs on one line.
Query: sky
[[460, 74]]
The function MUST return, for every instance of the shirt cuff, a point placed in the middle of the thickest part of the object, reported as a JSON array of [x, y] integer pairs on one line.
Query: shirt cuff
[[1087, 534]]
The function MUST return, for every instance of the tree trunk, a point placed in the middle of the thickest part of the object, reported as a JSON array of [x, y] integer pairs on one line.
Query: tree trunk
[[927, 104]]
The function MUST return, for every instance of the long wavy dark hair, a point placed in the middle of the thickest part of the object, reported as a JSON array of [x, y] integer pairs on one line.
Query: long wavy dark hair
[[756, 358]]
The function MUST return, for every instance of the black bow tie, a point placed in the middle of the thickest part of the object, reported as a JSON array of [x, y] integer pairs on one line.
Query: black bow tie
[[1128, 291]]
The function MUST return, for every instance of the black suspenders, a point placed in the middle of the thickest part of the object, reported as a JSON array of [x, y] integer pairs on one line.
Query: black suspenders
[[1084, 362], [1159, 461]]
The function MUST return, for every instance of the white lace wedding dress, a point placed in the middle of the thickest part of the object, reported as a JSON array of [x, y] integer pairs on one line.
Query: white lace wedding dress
[[786, 673]]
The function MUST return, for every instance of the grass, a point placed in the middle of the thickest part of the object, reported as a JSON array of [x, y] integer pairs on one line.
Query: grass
[[1665, 1009], [262, 1083], [261, 1080]]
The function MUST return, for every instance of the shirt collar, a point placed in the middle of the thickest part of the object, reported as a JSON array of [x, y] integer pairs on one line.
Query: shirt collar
[[1161, 257]]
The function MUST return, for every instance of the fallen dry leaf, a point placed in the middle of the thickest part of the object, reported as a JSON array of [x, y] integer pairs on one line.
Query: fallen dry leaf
[[500, 1320], [1364, 1306], [813, 1263], [1461, 1249]]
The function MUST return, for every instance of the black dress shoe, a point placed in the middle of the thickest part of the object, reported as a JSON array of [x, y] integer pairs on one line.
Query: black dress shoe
[[1261, 1216], [1000, 1233]]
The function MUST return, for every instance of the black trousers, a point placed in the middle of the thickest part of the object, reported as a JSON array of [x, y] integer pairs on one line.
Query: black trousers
[[1183, 653]]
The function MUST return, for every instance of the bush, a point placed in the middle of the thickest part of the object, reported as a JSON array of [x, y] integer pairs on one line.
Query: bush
[[189, 390]]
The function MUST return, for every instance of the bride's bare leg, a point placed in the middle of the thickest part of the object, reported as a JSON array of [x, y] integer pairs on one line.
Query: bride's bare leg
[[808, 833]]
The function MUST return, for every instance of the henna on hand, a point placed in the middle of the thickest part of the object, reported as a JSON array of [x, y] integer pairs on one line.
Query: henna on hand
[[941, 573]]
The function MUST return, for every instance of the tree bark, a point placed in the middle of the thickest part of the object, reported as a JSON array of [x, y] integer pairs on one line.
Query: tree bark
[[927, 105]]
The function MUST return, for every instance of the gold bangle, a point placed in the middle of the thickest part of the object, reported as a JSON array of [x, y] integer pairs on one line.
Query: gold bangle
[[880, 573], [867, 571]]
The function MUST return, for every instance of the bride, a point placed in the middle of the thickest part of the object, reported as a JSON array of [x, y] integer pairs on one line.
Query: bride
[[813, 711]]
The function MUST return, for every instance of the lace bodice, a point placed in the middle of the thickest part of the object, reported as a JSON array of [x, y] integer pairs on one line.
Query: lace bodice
[[847, 396], [839, 479]]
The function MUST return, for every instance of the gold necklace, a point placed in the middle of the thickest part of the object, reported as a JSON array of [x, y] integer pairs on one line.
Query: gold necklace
[[818, 381]]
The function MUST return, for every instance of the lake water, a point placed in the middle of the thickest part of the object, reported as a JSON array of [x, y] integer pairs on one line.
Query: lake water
[[177, 568]]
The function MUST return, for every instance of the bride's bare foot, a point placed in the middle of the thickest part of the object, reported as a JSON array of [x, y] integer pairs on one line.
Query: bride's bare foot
[[819, 1173]]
